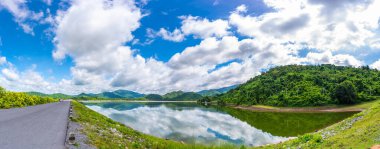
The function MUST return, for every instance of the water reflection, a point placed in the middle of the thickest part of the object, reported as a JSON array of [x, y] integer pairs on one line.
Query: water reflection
[[188, 123]]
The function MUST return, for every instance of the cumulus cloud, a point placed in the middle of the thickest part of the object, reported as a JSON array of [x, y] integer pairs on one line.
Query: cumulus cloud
[[376, 65], [196, 26], [310, 23], [22, 15], [3, 60], [328, 58], [203, 28], [176, 35], [102, 61], [102, 27], [10, 74]]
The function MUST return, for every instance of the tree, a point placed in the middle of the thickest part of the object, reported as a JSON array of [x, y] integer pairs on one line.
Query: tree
[[2, 92], [345, 93]]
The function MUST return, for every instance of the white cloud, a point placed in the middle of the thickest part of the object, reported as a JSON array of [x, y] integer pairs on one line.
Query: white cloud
[[375, 44], [204, 28], [328, 58], [3, 60], [22, 15], [322, 25], [48, 2], [10, 74], [197, 27], [376, 65], [102, 27], [241, 8], [96, 45], [176, 35]]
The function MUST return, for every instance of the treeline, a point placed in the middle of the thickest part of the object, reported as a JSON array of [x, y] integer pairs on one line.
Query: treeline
[[10, 99], [175, 96], [299, 85]]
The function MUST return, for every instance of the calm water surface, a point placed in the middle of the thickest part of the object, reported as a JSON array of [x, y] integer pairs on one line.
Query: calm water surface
[[192, 123]]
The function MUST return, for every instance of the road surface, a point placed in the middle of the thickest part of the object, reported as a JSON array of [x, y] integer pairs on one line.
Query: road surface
[[35, 127]]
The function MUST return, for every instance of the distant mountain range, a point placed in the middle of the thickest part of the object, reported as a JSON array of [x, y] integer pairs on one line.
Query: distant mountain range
[[120, 94], [213, 92], [114, 94]]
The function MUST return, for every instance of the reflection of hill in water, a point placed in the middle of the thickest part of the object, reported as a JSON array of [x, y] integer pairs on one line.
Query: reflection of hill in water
[[121, 106], [288, 124]]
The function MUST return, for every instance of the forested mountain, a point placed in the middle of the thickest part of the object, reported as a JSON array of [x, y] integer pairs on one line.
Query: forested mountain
[[118, 94], [115, 94], [176, 95], [55, 95], [213, 92], [299, 85]]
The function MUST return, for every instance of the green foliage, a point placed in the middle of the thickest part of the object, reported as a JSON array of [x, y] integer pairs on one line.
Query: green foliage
[[213, 92], [154, 97], [359, 131], [180, 95], [345, 93], [118, 94], [13, 99], [56, 95], [299, 85]]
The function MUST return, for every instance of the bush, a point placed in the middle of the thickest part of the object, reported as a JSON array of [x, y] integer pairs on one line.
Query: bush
[[346, 93], [12, 99]]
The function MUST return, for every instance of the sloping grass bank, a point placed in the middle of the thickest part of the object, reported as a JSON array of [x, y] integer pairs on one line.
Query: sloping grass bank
[[359, 131], [103, 132]]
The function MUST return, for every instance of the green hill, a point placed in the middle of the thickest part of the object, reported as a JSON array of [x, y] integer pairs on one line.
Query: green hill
[[213, 92], [176, 95], [55, 95], [154, 97], [299, 85], [118, 94], [180, 95]]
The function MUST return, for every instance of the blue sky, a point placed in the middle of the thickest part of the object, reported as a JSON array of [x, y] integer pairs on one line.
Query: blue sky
[[156, 46]]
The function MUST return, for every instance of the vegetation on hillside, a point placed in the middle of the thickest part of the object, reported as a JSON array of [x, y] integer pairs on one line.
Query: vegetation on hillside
[[55, 95], [299, 85], [213, 92], [118, 94], [359, 131], [13, 99], [175, 96]]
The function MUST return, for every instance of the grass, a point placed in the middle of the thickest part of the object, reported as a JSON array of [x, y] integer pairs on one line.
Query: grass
[[359, 131], [103, 132], [326, 108]]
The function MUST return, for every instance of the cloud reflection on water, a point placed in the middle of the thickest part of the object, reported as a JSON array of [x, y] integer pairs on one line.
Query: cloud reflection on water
[[190, 125]]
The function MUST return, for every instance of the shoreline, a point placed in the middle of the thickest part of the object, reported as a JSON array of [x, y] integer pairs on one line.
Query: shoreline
[[139, 101], [299, 109], [321, 109]]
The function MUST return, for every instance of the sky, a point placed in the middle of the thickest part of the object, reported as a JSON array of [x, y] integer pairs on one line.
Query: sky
[[158, 46]]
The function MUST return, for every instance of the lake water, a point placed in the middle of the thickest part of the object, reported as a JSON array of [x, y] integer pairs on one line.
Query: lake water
[[192, 123]]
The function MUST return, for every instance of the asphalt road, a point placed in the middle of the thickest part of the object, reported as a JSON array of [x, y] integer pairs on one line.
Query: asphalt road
[[35, 127]]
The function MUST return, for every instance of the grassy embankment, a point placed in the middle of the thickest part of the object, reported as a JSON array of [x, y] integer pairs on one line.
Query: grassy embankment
[[329, 108], [359, 131], [103, 132], [10, 99]]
